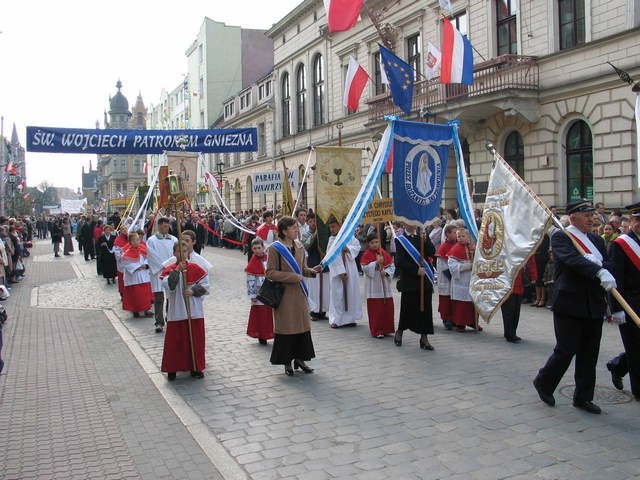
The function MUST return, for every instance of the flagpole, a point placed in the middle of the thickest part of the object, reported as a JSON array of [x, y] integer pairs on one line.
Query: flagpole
[[614, 291]]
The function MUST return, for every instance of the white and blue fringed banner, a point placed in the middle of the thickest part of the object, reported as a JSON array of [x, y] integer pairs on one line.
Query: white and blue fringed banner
[[140, 142], [420, 153]]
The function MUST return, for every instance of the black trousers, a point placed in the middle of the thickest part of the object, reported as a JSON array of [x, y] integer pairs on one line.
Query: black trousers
[[511, 314], [579, 337], [629, 361]]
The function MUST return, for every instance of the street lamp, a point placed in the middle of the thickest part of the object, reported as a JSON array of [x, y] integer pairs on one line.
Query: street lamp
[[220, 171], [339, 126], [11, 178]]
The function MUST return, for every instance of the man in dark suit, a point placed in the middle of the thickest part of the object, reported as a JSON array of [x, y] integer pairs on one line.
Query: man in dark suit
[[579, 306], [625, 253], [201, 233]]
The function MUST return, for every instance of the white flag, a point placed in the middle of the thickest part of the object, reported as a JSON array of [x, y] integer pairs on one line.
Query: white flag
[[513, 224], [432, 67], [383, 74], [446, 5]]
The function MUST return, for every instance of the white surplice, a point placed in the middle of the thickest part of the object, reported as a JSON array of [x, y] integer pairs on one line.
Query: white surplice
[[158, 251], [337, 313]]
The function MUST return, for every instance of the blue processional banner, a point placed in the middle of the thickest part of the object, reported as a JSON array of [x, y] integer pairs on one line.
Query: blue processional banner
[[140, 142], [420, 153]]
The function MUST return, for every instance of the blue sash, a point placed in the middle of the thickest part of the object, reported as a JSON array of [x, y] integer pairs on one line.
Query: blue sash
[[415, 256], [291, 261]]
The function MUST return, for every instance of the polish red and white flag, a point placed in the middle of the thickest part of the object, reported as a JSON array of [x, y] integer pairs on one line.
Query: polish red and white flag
[[354, 84], [342, 15]]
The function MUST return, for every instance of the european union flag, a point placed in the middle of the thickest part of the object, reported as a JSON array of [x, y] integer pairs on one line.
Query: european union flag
[[400, 76], [420, 153]]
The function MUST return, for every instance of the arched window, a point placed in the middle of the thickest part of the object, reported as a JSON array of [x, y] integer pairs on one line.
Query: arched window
[[579, 162], [318, 91], [514, 152], [301, 98], [286, 106]]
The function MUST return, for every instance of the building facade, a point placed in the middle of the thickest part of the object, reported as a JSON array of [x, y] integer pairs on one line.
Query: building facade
[[120, 175], [543, 93]]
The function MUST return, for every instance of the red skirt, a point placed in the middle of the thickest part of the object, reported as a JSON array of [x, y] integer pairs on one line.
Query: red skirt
[[463, 313], [121, 283], [380, 316], [260, 322], [445, 308], [176, 356], [137, 298]]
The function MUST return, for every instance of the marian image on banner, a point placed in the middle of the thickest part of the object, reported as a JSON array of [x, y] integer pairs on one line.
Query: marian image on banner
[[420, 155], [185, 164], [337, 181]]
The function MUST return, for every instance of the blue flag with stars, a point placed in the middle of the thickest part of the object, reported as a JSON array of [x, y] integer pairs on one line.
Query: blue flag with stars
[[400, 76]]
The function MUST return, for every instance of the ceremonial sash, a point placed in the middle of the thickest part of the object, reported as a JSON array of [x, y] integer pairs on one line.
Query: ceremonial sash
[[630, 248], [286, 255], [415, 256], [584, 241]]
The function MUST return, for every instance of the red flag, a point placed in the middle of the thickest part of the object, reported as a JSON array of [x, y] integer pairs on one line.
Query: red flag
[[354, 84], [11, 168], [342, 15]]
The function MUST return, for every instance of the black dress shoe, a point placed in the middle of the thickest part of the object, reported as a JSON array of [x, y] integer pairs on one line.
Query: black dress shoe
[[262, 341], [197, 374], [397, 339], [302, 366], [587, 406], [288, 370], [515, 339], [546, 398], [425, 345], [171, 376], [615, 379]]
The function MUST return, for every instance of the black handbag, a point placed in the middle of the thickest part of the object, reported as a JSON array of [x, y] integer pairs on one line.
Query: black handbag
[[271, 292]]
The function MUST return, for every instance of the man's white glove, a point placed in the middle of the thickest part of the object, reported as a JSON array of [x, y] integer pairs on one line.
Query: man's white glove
[[618, 317], [592, 258], [606, 279]]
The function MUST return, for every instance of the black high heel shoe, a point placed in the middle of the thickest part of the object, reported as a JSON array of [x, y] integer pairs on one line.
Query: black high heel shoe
[[425, 345], [302, 366], [288, 370]]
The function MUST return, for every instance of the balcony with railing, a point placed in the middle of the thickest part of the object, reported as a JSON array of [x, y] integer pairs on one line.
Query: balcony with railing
[[499, 75]]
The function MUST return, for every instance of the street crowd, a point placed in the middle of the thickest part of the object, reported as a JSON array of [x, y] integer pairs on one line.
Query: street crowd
[[166, 279]]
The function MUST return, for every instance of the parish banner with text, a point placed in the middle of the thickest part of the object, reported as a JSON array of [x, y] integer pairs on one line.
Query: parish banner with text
[[140, 142]]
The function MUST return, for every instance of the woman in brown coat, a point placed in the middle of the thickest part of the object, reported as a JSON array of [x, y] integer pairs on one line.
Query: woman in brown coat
[[292, 327]]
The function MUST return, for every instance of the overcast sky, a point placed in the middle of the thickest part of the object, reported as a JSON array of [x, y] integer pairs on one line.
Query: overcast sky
[[61, 60]]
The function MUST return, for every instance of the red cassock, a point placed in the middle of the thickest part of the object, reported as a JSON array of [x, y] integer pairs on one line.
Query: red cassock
[[463, 312], [444, 301], [176, 356], [380, 310], [138, 297], [260, 316]]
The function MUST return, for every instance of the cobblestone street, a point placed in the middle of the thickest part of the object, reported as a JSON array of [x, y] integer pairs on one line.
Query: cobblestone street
[[370, 411]]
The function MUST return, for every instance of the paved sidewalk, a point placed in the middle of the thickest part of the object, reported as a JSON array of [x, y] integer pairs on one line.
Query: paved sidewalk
[[370, 411], [74, 401]]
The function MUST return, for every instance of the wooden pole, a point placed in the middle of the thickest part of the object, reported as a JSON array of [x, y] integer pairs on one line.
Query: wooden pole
[[344, 283], [381, 269], [422, 276], [187, 303]]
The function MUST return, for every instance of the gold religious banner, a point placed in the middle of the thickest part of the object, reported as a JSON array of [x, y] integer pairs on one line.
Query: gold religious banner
[[380, 211], [338, 175], [185, 165]]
